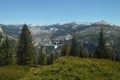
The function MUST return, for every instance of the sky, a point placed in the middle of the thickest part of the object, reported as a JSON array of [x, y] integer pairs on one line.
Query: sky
[[58, 11]]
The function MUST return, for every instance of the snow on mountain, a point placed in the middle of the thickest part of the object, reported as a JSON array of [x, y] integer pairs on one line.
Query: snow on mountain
[[36, 25], [46, 34], [87, 32]]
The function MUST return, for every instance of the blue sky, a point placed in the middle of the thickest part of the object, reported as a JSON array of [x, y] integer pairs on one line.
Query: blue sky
[[58, 11]]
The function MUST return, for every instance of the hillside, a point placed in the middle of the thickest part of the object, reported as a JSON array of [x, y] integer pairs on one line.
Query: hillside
[[73, 68], [86, 32]]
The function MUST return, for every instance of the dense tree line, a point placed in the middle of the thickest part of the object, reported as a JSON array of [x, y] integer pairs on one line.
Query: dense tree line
[[6, 52], [42, 56], [25, 53], [101, 52]]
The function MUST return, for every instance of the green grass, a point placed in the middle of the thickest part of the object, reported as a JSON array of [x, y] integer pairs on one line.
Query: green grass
[[73, 68], [65, 68], [13, 72]]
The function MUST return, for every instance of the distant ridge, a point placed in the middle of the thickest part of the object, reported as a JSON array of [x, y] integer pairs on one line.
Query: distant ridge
[[48, 35]]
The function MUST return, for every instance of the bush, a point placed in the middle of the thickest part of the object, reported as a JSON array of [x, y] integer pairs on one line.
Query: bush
[[73, 68]]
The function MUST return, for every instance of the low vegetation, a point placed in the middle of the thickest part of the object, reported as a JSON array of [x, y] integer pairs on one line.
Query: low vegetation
[[77, 63], [13, 72], [74, 68]]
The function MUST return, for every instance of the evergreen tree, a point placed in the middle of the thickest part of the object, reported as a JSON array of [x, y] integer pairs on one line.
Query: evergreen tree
[[0, 37], [48, 60], [55, 55], [65, 50], [6, 44], [101, 50], [7, 49], [51, 58], [6, 53], [80, 51], [26, 53], [1, 55], [73, 50], [42, 56]]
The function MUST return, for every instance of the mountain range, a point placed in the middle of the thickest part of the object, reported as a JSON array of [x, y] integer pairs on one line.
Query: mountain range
[[86, 32]]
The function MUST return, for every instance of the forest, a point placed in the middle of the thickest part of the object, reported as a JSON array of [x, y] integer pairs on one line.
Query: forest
[[24, 57]]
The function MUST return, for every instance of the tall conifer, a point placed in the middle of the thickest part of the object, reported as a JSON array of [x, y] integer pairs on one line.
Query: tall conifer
[[101, 49], [26, 52], [42, 56], [73, 49]]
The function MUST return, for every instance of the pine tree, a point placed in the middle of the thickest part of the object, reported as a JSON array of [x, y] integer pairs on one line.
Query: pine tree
[[0, 37], [73, 50], [42, 56], [26, 53], [80, 51], [48, 60], [1, 55], [7, 49], [101, 50], [65, 50], [6, 53], [51, 58]]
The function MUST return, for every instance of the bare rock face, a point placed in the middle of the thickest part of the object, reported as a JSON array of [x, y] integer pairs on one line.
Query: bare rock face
[[1, 30]]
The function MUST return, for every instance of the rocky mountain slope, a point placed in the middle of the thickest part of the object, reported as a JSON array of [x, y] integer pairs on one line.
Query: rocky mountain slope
[[86, 32]]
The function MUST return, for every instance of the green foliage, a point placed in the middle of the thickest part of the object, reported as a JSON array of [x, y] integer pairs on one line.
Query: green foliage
[[76, 48], [26, 53], [101, 50], [73, 49], [65, 50], [50, 58], [80, 52], [6, 53], [0, 37], [13, 72], [74, 68], [42, 56]]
